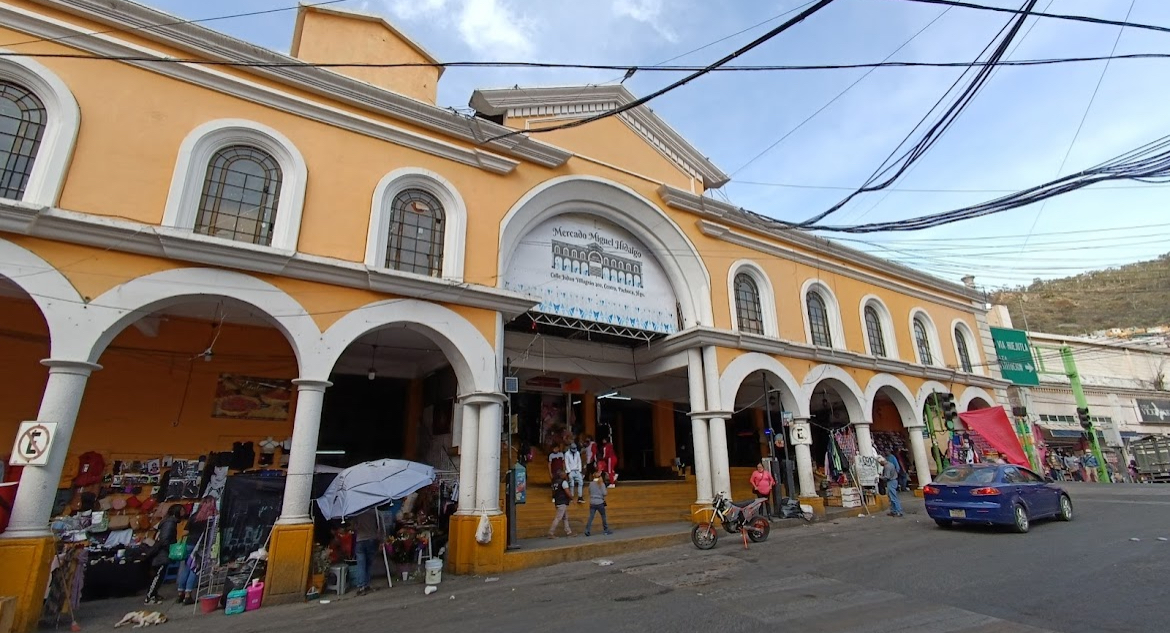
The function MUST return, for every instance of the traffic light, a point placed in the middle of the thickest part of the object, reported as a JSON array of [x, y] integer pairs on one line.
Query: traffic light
[[950, 412], [1083, 416]]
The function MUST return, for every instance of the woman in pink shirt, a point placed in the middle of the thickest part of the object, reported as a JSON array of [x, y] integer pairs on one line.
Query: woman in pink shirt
[[762, 483]]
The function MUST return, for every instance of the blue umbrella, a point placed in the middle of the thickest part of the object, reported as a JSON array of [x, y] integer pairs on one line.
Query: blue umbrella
[[371, 484]]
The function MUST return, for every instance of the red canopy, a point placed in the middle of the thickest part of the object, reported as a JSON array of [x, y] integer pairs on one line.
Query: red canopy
[[993, 424]]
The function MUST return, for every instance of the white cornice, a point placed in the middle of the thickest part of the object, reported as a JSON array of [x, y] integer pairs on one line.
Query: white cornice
[[200, 41], [782, 241], [180, 245], [583, 101], [698, 337]]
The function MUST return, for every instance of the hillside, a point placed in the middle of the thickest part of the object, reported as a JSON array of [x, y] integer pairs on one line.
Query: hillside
[[1136, 295]]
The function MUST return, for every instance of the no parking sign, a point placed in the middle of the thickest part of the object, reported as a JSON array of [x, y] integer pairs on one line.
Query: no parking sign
[[33, 440]]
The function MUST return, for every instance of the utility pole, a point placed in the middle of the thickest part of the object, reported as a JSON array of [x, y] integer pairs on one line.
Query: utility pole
[[932, 410], [1074, 379]]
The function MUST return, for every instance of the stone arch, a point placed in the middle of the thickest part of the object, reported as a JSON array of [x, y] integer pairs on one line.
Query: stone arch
[[470, 354], [924, 392], [970, 394], [61, 306], [747, 364], [626, 208], [898, 392], [124, 304], [851, 394]]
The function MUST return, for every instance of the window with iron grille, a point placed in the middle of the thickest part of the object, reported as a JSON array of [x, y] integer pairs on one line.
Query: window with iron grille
[[416, 234], [240, 194], [964, 355], [22, 124], [923, 343], [747, 305], [818, 320], [873, 328]]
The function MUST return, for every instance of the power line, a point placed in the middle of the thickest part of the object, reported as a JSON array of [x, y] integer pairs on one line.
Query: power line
[[789, 185], [1057, 16], [681, 82]]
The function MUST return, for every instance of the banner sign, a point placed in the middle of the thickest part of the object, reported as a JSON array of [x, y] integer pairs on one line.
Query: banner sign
[[867, 469], [1015, 356], [1154, 411], [583, 267]]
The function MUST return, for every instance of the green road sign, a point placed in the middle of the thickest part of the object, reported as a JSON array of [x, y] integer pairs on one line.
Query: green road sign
[[1015, 356]]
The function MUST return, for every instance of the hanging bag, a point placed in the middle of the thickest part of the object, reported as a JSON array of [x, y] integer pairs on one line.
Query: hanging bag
[[178, 551], [483, 535]]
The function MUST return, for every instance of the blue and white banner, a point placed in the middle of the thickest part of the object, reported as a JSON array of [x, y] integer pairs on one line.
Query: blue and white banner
[[583, 267]]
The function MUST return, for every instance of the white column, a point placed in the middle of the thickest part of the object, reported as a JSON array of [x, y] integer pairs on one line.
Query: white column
[[720, 468], [699, 442], [33, 507], [302, 457], [804, 464], [468, 458], [487, 484], [921, 457], [864, 438]]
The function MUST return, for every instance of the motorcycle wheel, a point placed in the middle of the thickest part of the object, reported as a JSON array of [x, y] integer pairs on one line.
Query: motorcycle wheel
[[759, 529], [704, 536]]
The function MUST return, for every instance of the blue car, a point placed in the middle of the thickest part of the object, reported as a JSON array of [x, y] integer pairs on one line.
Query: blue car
[[994, 494]]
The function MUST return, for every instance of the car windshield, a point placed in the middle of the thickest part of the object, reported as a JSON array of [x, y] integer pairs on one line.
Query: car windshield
[[966, 475]]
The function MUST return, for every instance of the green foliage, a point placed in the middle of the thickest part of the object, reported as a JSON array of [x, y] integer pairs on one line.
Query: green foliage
[[1135, 295]]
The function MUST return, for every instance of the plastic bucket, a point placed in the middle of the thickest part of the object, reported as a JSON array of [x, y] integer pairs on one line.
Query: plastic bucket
[[209, 604], [434, 568]]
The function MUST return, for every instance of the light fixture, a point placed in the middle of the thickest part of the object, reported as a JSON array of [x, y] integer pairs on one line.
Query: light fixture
[[331, 452], [613, 395], [372, 374], [576, 402], [207, 355]]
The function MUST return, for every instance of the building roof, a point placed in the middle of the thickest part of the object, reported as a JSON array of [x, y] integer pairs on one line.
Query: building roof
[[585, 101], [302, 8]]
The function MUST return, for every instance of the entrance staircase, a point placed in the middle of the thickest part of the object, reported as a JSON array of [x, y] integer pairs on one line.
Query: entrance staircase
[[629, 504]]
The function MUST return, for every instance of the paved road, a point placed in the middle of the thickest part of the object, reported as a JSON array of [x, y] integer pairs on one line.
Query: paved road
[[877, 574]]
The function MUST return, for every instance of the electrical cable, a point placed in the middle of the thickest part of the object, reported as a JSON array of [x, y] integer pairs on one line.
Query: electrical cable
[[1058, 16], [681, 82]]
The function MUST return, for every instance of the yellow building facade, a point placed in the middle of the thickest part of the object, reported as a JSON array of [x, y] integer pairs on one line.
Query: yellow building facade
[[167, 223]]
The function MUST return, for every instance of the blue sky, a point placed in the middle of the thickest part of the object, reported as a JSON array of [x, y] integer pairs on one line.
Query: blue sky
[[1015, 134]]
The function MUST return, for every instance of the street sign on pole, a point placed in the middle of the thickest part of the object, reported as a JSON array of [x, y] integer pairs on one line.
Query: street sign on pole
[[33, 441], [1015, 356]]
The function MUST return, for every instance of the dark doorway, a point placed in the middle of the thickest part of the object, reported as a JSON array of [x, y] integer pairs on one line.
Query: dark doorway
[[631, 422], [364, 418]]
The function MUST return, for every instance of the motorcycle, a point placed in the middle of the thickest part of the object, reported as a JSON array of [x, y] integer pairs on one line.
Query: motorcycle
[[744, 517]]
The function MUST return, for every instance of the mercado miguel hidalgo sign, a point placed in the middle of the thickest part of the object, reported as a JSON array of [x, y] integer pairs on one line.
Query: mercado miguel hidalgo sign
[[1154, 411], [585, 268]]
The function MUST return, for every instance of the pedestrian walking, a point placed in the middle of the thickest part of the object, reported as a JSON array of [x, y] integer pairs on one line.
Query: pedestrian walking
[[1089, 460], [556, 460], [608, 462], [573, 467], [597, 495], [589, 450], [160, 552], [762, 483], [890, 476], [1134, 472], [365, 533], [561, 499]]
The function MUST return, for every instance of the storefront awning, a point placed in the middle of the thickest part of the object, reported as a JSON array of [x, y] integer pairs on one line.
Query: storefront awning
[[1067, 433]]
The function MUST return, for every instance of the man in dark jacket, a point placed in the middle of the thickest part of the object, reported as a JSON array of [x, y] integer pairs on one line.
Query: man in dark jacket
[[160, 553]]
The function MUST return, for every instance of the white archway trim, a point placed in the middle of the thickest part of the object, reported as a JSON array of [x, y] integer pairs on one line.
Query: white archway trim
[[126, 303], [747, 364], [927, 388], [887, 322], [628, 209], [898, 392], [836, 330], [454, 217], [191, 170], [959, 326], [767, 295], [970, 394], [47, 177], [470, 354], [59, 302], [931, 337], [852, 396]]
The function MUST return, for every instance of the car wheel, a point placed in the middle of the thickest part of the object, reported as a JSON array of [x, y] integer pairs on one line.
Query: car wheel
[[1066, 509], [943, 523], [1021, 524]]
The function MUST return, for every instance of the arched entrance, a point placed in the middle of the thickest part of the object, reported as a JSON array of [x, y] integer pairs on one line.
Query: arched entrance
[[896, 428], [763, 397], [834, 403]]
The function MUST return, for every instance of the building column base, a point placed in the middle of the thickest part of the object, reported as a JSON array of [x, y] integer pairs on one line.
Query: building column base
[[466, 556], [290, 559], [817, 503], [24, 575]]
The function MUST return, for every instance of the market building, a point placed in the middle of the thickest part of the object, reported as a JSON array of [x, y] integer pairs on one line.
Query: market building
[[270, 267]]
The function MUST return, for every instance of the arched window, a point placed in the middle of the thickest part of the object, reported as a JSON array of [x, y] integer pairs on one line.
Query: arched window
[[922, 341], [22, 124], [818, 320], [873, 329], [747, 305], [240, 195], [415, 244], [964, 355]]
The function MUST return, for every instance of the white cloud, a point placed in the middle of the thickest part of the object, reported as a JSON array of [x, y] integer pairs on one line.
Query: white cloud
[[491, 28], [647, 11], [411, 9]]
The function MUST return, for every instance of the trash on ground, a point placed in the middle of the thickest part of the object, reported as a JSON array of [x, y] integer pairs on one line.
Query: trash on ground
[[492, 579], [1162, 538], [604, 563], [1135, 539], [324, 602], [431, 589]]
